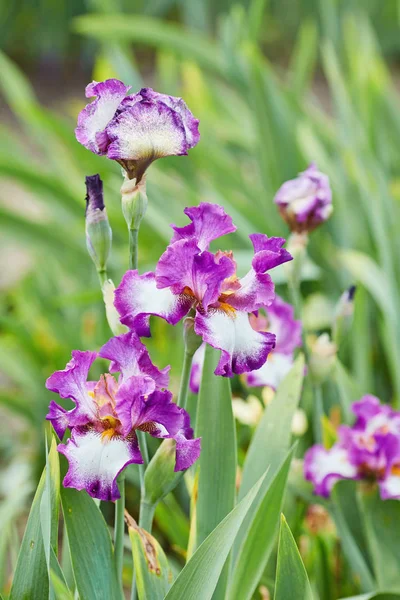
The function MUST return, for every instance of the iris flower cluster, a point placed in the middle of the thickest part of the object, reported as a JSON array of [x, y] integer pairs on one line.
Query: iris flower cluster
[[368, 450], [109, 412]]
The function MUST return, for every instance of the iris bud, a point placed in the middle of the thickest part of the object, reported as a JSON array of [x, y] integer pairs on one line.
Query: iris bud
[[98, 230], [191, 339], [160, 478], [322, 358], [344, 315]]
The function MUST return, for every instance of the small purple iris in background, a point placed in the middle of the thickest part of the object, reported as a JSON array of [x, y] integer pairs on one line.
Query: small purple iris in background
[[108, 412], [190, 277], [135, 129], [306, 201], [369, 450]]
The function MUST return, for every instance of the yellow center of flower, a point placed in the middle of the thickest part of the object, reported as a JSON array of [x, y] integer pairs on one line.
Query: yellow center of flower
[[110, 424]]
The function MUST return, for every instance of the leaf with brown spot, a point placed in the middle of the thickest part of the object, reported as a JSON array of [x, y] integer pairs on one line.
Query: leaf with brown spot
[[153, 575]]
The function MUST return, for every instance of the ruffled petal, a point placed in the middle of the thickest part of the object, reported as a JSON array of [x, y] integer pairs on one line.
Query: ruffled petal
[[146, 131], [209, 222], [272, 372], [94, 118], [71, 383], [286, 328], [157, 413], [256, 287], [130, 357], [325, 467], [95, 461], [138, 296], [59, 418], [190, 124], [268, 252], [187, 448], [243, 349], [186, 270]]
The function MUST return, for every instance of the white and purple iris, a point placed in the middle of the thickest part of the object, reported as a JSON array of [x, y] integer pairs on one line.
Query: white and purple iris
[[306, 201], [108, 413], [190, 277], [278, 318], [370, 450], [135, 129]]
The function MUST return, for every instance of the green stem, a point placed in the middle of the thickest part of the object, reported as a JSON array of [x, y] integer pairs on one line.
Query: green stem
[[102, 273], [146, 515], [185, 377], [133, 248], [119, 527], [318, 413], [294, 284]]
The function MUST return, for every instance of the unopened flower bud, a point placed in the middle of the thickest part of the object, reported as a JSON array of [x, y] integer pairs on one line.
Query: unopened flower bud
[[134, 201], [306, 201], [344, 315], [160, 477], [322, 358], [190, 337], [248, 412], [98, 230], [299, 422]]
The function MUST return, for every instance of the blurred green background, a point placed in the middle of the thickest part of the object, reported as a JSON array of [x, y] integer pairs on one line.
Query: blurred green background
[[275, 84]]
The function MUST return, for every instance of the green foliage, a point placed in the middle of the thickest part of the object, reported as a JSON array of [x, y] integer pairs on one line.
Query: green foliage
[[153, 577], [90, 546], [259, 126], [291, 577]]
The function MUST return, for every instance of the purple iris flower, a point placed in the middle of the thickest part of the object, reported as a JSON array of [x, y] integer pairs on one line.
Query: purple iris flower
[[190, 277], [135, 129], [278, 318], [369, 449], [306, 201], [108, 413]]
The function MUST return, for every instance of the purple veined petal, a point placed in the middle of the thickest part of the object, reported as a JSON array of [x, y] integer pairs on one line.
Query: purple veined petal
[[187, 452], [130, 357], [197, 369], [71, 383], [242, 348], [286, 328], [325, 467], [367, 408], [95, 461], [186, 270], [208, 222], [146, 131], [256, 287], [273, 371], [156, 413], [268, 252], [94, 118], [59, 418], [256, 291], [190, 124], [138, 296]]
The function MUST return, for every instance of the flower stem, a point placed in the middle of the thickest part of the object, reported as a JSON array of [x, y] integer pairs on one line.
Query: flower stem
[[146, 515], [119, 527], [185, 377], [133, 248], [102, 273]]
